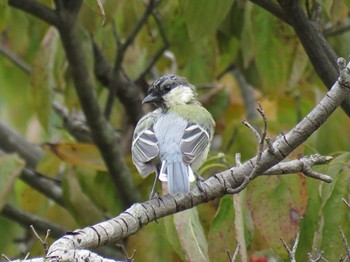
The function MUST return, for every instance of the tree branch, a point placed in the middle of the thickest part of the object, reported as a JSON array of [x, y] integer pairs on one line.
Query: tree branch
[[12, 142], [273, 8], [15, 59], [127, 92], [102, 132], [26, 219], [40, 11], [320, 53]]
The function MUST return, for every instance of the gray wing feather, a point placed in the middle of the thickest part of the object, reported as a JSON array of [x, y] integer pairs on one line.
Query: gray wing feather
[[194, 142], [144, 147]]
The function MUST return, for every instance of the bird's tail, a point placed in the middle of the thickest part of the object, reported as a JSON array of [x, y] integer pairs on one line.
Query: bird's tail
[[178, 175]]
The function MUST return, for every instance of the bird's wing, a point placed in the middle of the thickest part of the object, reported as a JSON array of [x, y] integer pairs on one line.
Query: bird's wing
[[194, 142], [145, 147]]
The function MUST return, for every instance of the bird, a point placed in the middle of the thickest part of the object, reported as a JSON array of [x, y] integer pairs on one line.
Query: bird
[[173, 140]]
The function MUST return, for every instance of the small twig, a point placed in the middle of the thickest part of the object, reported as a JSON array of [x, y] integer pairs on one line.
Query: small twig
[[300, 165], [127, 257], [238, 159], [122, 47], [228, 68], [255, 132], [15, 59], [26, 257], [319, 256], [263, 135], [345, 241], [234, 256], [160, 52], [3, 255], [43, 242], [307, 171], [261, 140], [346, 203], [336, 31], [291, 252]]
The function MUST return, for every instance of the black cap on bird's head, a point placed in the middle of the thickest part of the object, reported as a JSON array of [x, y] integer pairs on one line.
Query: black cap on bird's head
[[163, 85]]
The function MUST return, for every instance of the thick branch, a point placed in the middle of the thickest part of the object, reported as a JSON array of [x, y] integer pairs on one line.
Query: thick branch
[[273, 8], [26, 219], [102, 132], [320, 53], [127, 91], [35, 8], [12, 142]]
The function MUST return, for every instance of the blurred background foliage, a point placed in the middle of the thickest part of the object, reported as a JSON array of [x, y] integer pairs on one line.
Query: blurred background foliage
[[230, 50]]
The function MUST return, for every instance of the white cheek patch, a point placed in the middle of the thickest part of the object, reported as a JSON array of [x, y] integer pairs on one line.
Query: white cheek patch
[[179, 95]]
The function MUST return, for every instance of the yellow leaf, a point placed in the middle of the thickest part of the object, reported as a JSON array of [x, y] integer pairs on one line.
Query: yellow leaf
[[84, 155]]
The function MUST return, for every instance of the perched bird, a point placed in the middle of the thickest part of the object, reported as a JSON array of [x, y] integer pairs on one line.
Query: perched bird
[[175, 138]]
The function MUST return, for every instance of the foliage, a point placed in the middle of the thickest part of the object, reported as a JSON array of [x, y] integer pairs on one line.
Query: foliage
[[202, 39]]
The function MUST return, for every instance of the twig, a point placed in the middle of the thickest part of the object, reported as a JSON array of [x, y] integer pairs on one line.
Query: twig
[[255, 132], [35, 8], [5, 257], [238, 159], [346, 203], [261, 140], [321, 54], [319, 256], [26, 219], [300, 165], [121, 53], [291, 252], [273, 8], [234, 256], [263, 135], [42, 241], [127, 257], [336, 31], [102, 132], [345, 242], [15, 59]]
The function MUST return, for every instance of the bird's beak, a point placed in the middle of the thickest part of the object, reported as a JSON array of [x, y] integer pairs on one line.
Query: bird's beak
[[151, 98]]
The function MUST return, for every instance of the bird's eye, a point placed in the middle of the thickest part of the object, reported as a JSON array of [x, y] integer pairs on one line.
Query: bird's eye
[[167, 88]]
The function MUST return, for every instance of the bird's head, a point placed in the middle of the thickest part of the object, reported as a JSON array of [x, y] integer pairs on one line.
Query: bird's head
[[170, 90]]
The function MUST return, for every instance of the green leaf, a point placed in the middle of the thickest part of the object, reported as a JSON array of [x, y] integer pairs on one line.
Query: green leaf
[[247, 37], [96, 6], [222, 232], [347, 3], [333, 212], [5, 15], [204, 16], [152, 244], [298, 66], [42, 80], [172, 236], [273, 47], [191, 235], [10, 168]]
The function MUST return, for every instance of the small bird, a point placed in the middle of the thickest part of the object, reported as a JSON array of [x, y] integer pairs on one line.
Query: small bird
[[174, 139]]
